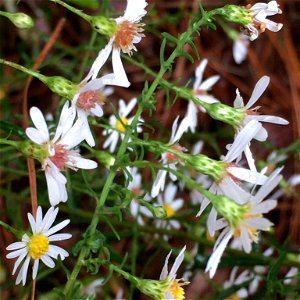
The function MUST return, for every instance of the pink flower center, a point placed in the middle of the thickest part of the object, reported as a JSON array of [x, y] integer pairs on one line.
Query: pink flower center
[[200, 92], [88, 99], [125, 35], [60, 157], [171, 156]]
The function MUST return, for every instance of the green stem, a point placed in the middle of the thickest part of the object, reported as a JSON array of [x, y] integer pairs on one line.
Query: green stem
[[8, 142], [33, 73], [73, 9], [10, 229]]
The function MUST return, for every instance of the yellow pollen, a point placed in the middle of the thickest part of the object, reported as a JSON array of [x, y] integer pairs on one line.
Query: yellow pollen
[[169, 210], [176, 289], [120, 126], [38, 246]]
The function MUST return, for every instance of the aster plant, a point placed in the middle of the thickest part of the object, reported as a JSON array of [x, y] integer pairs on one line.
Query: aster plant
[[150, 175]]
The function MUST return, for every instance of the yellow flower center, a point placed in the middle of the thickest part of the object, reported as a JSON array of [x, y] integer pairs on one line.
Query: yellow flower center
[[252, 232], [233, 297], [38, 246], [176, 289], [120, 126], [169, 210]]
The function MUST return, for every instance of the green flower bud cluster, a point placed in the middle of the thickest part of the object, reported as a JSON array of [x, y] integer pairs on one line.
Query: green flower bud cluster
[[39, 152], [153, 288], [229, 209], [106, 158], [230, 115], [103, 25], [236, 14], [159, 212], [205, 165], [20, 20], [60, 86]]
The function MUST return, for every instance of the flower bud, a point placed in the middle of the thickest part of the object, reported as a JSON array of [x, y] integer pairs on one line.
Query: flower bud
[[60, 86], [153, 288], [226, 114], [20, 20], [36, 151], [236, 14], [229, 209], [159, 212], [103, 25], [205, 165], [104, 157]]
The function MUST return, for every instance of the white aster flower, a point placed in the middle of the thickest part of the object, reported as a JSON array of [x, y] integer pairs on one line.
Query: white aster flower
[[200, 90], [252, 114], [89, 100], [170, 205], [248, 226], [58, 153], [229, 186], [170, 159], [129, 32], [260, 11], [37, 246], [118, 125], [174, 290], [240, 48]]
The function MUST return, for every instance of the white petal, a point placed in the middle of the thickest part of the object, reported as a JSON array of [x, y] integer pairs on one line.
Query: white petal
[[99, 61], [245, 240], [170, 192], [164, 272], [182, 128], [177, 204], [119, 72], [271, 119], [159, 183], [56, 190], [199, 73], [269, 185], [238, 102], [75, 135], [66, 120], [97, 111], [15, 246], [264, 207], [55, 251], [135, 10], [57, 227], [23, 272], [81, 163], [18, 261], [273, 26], [242, 139], [47, 260], [36, 136], [177, 263], [205, 202], [59, 237], [247, 175], [39, 122], [259, 88], [260, 223], [16, 253], [209, 82], [49, 218], [129, 107], [214, 259], [35, 268]]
